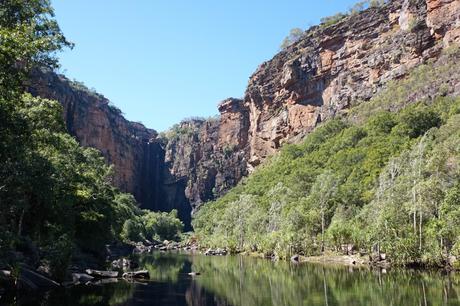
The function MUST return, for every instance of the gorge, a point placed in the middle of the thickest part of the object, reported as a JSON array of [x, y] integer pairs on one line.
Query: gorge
[[316, 78], [331, 181]]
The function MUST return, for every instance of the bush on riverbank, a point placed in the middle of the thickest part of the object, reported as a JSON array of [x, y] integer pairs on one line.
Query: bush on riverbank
[[149, 225]]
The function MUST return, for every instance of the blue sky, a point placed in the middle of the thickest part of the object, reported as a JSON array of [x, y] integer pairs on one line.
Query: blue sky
[[162, 61]]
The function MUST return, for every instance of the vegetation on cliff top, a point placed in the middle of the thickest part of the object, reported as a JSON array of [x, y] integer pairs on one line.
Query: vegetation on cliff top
[[56, 197], [296, 34], [383, 180]]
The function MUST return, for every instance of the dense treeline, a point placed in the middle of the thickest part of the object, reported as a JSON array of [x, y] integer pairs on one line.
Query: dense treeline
[[56, 197], [377, 179]]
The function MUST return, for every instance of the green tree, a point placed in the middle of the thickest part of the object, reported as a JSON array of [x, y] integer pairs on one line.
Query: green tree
[[322, 193], [294, 35]]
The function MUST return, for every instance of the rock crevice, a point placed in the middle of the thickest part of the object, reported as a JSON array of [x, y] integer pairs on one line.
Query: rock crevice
[[314, 79]]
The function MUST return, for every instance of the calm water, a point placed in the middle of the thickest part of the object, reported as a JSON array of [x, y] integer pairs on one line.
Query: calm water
[[236, 280]]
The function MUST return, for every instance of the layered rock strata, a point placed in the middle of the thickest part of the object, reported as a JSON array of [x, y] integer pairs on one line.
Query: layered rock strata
[[314, 79]]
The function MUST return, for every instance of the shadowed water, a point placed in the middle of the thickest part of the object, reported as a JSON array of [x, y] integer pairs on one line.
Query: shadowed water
[[237, 280]]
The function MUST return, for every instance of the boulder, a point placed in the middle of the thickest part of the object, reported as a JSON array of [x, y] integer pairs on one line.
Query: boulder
[[102, 274], [81, 278], [105, 281], [142, 274], [194, 273], [5, 274], [142, 249], [214, 252], [31, 280], [220, 251], [123, 264], [6, 279], [295, 258]]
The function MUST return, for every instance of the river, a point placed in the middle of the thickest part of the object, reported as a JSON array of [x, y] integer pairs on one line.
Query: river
[[239, 280]]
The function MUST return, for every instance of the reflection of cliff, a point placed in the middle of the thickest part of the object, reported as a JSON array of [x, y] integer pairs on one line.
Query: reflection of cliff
[[170, 284], [314, 79]]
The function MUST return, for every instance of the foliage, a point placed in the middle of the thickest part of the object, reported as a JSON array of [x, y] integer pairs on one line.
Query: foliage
[[56, 197], [387, 180], [152, 225], [184, 129], [29, 37], [421, 81], [355, 9], [331, 20], [162, 225], [58, 188], [294, 35]]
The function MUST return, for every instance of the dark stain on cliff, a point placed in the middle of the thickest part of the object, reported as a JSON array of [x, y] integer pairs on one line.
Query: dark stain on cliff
[[314, 79]]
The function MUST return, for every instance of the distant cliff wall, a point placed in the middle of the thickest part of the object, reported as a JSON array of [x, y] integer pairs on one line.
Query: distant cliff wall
[[312, 80]]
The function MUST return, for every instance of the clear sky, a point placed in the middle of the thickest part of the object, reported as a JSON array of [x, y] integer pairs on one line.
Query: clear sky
[[162, 61]]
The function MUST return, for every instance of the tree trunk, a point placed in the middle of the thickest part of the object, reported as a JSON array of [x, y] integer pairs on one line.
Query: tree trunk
[[414, 200], [21, 220], [420, 230], [322, 230], [326, 302]]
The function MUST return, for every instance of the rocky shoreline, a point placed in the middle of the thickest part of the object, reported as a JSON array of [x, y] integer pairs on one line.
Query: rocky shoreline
[[354, 258], [122, 265]]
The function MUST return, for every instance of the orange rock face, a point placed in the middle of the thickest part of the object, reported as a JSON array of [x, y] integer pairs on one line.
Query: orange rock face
[[312, 80], [317, 77], [234, 122], [90, 118]]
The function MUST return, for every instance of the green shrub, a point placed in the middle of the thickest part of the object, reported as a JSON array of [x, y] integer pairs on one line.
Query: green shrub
[[294, 36], [361, 182], [331, 20]]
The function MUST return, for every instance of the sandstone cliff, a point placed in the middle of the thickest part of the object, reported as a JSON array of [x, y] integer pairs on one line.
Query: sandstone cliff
[[316, 78], [331, 67], [312, 80], [134, 150]]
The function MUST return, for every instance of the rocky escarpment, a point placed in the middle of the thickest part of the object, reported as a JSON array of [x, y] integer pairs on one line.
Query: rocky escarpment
[[209, 155], [134, 150], [314, 79], [318, 77], [96, 123], [331, 67]]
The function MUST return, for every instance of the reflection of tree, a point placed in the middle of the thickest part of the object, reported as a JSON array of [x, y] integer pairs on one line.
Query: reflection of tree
[[198, 296], [239, 280], [163, 267], [121, 293], [108, 295], [248, 281]]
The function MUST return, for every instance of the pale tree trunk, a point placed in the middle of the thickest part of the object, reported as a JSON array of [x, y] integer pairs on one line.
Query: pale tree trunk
[[322, 228], [325, 288], [322, 214], [420, 230], [414, 200]]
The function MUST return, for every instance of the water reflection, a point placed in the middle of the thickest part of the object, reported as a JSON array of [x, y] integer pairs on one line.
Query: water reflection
[[235, 280], [244, 281]]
